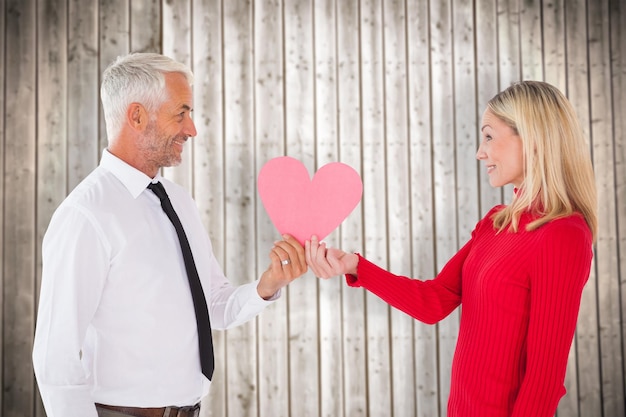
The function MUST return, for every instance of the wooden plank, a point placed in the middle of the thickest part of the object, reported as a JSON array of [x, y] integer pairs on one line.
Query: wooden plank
[[444, 193], [239, 194], [587, 342], [3, 75], [331, 394], [554, 71], [422, 210], [553, 30], [353, 312], [114, 41], [531, 34], [300, 143], [83, 99], [402, 370], [145, 25], [374, 204], [51, 123], [508, 54], [274, 385], [487, 66], [19, 153], [209, 164], [177, 45], [508, 42], [216, 162], [617, 22], [607, 261], [466, 125]]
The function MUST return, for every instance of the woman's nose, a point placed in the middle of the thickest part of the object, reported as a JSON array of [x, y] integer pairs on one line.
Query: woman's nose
[[480, 154]]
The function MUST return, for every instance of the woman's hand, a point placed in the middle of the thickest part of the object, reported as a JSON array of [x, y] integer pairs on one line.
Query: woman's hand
[[329, 262]]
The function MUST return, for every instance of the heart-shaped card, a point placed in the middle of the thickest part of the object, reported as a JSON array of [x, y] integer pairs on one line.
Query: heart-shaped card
[[301, 206]]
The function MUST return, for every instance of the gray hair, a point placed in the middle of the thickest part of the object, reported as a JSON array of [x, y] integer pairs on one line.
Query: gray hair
[[135, 78]]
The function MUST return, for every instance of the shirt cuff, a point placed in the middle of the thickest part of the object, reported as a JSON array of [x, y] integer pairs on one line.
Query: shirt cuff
[[274, 297]]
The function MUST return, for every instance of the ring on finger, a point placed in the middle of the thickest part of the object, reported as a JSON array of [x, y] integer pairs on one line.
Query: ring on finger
[[285, 262]]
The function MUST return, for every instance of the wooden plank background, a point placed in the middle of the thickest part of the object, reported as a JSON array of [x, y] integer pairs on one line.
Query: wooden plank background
[[395, 89]]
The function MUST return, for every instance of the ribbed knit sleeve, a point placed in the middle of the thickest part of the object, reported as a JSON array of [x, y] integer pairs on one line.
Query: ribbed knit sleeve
[[557, 276], [427, 301]]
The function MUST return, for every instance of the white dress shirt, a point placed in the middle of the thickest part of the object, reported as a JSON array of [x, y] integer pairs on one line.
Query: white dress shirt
[[116, 323]]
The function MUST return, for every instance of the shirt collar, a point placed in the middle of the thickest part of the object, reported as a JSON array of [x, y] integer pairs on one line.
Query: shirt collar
[[134, 180]]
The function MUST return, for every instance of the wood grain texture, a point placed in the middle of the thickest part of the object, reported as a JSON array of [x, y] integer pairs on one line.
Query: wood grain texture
[[421, 179], [326, 104], [444, 175], [209, 162], [51, 122], [396, 120], [270, 142], [374, 154], [241, 365], [114, 38], [586, 339], [300, 143], [83, 152], [617, 13], [553, 46], [531, 45], [607, 261], [177, 45], [146, 25], [487, 84], [3, 77], [19, 200], [396, 89], [350, 104]]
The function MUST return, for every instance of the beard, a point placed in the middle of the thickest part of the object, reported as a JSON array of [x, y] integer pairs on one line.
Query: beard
[[158, 148]]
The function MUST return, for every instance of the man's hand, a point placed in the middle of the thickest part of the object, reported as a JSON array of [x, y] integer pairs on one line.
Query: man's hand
[[287, 263]]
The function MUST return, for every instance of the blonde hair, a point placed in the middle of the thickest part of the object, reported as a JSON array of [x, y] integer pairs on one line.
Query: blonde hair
[[558, 173]]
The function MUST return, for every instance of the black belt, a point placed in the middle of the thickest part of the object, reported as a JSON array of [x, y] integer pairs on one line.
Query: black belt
[[190, 411]]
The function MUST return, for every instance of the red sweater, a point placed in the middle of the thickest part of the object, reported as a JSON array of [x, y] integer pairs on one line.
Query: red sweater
[[521, 295]]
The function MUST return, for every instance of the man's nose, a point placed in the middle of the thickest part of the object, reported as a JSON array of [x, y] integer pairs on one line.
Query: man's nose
[[190, 128]]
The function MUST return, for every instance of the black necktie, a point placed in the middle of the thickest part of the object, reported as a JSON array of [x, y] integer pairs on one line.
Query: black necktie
[[199, 301]]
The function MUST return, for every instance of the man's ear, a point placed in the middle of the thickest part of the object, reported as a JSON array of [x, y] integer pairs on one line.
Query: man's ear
[[137, 116]]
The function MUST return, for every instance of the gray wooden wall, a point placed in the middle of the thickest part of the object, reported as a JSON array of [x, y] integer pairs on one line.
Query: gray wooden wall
[[394, 88]]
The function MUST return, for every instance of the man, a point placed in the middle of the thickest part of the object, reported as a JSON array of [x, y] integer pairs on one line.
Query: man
[[120, 318]]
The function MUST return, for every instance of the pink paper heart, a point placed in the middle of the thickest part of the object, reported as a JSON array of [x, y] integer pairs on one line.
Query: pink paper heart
[[303, 207]]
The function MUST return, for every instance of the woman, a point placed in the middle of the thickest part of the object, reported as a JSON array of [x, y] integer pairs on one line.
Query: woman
[[520, 277]]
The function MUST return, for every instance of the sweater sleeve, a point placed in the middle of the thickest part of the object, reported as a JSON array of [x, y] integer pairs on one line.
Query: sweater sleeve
[[558, 275], [428, 301]]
